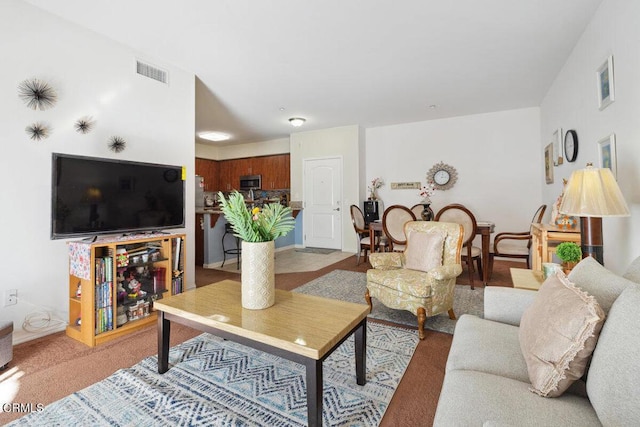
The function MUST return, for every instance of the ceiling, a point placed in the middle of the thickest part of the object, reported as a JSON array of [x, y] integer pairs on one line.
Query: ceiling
[[345, 62]]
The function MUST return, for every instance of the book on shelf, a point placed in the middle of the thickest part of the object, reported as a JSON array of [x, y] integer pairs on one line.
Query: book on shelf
[[177, 249], [159, 280], [104, 294], [176, 285]]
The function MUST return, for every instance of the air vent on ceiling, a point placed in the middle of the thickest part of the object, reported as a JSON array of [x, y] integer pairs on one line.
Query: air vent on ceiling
[[152, 72]]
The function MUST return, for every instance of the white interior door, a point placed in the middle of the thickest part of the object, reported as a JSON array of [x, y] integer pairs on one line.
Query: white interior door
[[322, 214]]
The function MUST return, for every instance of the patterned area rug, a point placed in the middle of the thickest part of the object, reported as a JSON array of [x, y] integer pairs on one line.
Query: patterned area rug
[[212, 381], [351, 286]]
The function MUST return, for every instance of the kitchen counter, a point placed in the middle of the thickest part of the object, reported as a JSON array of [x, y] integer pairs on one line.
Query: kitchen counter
[[211, 227], [215, 211]]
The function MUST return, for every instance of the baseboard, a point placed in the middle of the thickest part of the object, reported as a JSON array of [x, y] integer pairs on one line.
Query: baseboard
[[235, 260], [20, 336]]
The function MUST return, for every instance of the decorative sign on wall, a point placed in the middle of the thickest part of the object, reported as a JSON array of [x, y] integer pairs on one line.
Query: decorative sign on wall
[[405, 185]]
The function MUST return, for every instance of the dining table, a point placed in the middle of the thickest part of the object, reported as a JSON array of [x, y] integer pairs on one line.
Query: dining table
[[484, 229]]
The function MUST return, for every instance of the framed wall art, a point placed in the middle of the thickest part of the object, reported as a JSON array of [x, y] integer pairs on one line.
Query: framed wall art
[[548, 163], [604, 77], [607, 153], [557, 147]]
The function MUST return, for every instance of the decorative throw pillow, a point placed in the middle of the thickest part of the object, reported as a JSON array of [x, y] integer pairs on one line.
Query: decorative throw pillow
[[424, 250], [558, 333]]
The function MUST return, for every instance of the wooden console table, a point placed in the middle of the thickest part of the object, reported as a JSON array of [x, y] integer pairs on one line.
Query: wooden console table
[[545, 237], [526, 279]]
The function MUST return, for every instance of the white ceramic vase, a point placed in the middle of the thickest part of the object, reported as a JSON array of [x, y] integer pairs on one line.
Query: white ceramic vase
[[258, 275]]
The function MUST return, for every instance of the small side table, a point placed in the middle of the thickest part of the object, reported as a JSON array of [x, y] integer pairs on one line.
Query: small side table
[[523, 278]]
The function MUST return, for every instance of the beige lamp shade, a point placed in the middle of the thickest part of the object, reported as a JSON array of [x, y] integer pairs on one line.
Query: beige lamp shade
[[593, 192]]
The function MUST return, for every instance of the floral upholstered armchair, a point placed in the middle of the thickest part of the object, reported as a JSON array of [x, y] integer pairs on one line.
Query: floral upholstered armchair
[[421, 279]]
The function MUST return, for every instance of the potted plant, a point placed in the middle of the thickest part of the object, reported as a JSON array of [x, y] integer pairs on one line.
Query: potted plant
[[258, 228], [570, 254]]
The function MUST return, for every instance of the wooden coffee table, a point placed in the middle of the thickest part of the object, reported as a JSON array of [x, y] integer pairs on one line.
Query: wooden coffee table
[[303, 328]]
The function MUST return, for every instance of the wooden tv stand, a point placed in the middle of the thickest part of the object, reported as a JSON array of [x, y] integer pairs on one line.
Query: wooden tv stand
[[97, 269]]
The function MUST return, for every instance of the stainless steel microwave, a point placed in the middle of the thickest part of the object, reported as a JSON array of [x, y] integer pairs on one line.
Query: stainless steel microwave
[[251, 182]]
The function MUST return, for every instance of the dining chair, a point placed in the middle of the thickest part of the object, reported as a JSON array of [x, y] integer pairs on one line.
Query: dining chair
[[393, 221], [362, 233], [417, 211], [459, 214], [509, 244]]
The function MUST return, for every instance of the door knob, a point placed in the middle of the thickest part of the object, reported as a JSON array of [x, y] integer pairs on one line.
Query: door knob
[[336, 209]]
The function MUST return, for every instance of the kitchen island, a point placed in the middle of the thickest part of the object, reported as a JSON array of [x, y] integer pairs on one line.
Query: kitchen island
[[210, 229]]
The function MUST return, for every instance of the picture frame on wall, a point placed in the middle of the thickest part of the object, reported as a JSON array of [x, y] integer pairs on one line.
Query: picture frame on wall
[[557, 147], [548, 163], [604, 77], [607, 154]]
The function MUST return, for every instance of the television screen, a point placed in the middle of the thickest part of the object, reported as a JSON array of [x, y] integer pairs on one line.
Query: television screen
[[93, 196]]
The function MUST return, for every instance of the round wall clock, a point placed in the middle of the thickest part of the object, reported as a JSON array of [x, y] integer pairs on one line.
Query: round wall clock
[[443, 176], [571, 145]]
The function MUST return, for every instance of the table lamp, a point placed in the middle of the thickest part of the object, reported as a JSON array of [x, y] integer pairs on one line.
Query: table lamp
[[593, 193]]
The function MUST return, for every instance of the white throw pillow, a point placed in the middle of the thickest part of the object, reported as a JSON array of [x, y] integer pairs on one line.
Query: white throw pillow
[[558, 333], [424, 250]]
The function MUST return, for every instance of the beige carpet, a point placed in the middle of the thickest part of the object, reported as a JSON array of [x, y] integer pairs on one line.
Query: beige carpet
[[292, 261]]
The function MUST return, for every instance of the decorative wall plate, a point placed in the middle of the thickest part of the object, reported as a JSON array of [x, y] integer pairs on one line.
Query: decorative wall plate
[[117, 144], [84, 124], [37, 94], [38, 131], [442, 175]]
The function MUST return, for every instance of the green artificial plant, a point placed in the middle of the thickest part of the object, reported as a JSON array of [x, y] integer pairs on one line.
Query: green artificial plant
[[569, 252], [256, 225]]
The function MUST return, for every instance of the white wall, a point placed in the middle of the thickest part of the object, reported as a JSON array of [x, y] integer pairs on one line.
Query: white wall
[[496, 156], [571, 103], [237, 151], [344, 142], [93, 76]]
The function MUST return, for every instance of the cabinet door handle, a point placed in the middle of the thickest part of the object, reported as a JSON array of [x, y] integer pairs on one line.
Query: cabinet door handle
[[336, 209]]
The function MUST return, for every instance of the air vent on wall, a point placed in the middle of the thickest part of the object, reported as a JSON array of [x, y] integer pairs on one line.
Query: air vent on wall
[[152, 72]]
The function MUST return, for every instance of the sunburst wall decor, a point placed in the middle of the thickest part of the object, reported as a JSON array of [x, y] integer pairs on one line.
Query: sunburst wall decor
[[117, 144], [37, 131], [84, 124], [37, 94]]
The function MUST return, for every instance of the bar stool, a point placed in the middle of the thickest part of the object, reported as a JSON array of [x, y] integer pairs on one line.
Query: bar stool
[[228, 229]]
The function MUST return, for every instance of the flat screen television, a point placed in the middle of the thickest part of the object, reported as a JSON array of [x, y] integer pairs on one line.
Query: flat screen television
[[94, 196]]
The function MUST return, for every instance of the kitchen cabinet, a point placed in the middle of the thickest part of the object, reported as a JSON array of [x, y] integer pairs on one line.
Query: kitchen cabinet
[[225, 175], [209, 170], [275, 171], [199, 239]]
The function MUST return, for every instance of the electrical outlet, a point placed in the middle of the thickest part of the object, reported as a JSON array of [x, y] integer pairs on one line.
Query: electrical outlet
[[10, 297]]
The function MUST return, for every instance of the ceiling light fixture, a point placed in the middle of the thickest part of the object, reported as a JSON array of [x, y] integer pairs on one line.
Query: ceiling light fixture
[[214, 136], [297, 121]]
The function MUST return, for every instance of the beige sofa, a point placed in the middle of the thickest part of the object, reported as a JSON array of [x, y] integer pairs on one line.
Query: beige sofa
[[487, 382]]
